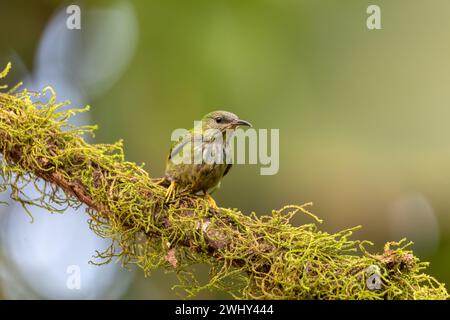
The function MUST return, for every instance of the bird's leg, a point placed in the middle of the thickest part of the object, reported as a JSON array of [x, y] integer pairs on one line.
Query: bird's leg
[[211, 201], [170, 193]]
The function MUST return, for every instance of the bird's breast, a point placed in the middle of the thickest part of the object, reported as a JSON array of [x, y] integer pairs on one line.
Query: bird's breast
[[199, 177]]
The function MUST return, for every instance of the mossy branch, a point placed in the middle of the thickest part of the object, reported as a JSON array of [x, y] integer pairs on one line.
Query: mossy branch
[[250, 256]]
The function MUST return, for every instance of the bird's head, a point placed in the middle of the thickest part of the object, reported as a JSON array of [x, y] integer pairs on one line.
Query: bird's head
[[223, 120]]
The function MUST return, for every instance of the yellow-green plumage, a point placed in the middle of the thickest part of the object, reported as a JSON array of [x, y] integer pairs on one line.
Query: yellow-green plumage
[[204, 177]]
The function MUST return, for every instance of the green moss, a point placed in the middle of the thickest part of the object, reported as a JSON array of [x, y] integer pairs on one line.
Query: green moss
[[250, 256]]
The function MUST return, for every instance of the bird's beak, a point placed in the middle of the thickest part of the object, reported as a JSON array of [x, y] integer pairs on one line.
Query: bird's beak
[[240, 122]]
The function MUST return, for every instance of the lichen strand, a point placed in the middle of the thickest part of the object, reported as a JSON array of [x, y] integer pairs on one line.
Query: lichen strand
[[250, 256]]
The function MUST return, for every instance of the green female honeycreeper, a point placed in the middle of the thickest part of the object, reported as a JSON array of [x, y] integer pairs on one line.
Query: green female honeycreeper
[[202, 176]]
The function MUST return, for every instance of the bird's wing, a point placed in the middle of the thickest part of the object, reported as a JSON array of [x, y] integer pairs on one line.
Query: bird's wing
[[177, 146]]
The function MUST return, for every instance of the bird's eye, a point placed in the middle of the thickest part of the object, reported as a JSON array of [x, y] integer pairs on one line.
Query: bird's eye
[[218, 119]]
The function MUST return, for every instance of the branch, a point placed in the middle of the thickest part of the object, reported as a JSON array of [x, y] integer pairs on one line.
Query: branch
[[250, 256]]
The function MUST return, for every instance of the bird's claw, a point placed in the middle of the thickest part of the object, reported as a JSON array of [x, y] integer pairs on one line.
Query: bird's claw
[[170, 193], [159, 181], [212, 203]]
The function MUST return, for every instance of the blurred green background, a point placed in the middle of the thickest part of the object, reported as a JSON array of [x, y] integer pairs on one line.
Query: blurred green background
[[363, 115]]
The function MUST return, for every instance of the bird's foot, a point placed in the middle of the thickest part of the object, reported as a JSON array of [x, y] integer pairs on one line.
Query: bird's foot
[[170, 193], [212, 203], [159, 181]]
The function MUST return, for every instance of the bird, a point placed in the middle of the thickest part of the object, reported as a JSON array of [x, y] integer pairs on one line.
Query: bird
[[200, 173]]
